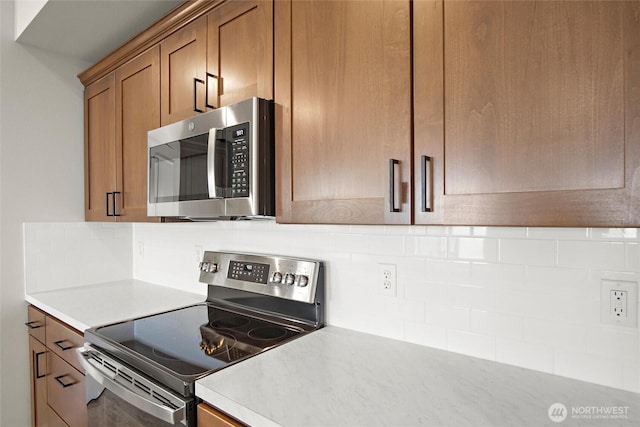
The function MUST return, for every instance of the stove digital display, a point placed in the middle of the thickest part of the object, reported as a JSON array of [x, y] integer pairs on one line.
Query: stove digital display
[[248, 271]]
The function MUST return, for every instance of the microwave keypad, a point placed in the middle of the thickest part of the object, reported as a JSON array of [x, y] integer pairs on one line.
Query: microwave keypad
[[240, 160]]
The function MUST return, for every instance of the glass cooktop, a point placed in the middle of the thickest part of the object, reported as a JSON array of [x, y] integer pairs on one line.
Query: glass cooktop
[[196, 339]]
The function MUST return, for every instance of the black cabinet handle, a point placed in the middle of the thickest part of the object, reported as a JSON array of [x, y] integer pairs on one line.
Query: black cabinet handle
[[113, 204], [107, 204], [392, 185], [426, 183], [195, 94], [206, 89], [63, 347], [34, 324], [115, 208], [62, 383], [36, 363]]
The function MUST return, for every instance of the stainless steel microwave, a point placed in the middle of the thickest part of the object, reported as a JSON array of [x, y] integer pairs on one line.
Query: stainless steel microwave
[[217, 165]]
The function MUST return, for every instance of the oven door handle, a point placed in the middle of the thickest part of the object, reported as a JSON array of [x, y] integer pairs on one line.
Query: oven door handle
[[138, 400]]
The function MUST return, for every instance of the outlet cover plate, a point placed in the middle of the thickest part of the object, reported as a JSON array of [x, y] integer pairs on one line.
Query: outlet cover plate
[[607, 288]]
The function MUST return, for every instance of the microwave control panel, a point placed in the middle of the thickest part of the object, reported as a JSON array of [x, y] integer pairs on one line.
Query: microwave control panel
[[238, 136]]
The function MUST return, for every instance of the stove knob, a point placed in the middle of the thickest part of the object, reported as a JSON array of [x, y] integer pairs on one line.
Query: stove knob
[[289, 279], [303, 280], [204, 266], [213, 267], [276, 277]]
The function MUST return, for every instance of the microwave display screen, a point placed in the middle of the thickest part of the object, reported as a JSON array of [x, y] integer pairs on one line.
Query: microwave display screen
[[180, 170]]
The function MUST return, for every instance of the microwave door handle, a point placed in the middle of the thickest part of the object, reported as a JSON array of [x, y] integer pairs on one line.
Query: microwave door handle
[[215, 187]]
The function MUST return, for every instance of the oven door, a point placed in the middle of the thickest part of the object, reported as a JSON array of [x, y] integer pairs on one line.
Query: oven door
[[119, 396]]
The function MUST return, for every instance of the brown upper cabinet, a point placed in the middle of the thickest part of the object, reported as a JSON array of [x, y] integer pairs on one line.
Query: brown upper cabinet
[[184, 62], [343, 111], [220, 58], [240, 52], [523, 112], [99, 149], [204, 55], [528, 111], [119, 110]]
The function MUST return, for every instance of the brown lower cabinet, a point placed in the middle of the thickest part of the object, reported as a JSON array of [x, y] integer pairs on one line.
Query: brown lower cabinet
[[209, 416], [57, 381]]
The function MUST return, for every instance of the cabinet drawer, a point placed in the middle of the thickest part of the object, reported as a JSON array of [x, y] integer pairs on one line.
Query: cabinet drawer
[[210, 417], [66, 392], [36, 323], [54, 419], [63, 341]]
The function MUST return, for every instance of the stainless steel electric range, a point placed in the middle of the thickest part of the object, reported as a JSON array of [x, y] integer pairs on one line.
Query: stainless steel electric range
[[143, 371]]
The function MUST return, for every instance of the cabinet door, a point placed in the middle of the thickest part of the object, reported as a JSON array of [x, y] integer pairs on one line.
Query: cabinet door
[[38, 363], [536, 121], [211, 417], [240, 52], [343, 111], [99, 148], [66, 391], [183, 59], [137, 86]]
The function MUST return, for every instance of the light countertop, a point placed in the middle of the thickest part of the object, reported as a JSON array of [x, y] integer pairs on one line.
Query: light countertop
[[93, 305], [338, 377]]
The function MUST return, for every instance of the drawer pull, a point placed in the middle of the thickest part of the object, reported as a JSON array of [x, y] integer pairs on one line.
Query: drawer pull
[[426, 182], [36, 362], [195, 94], [63, 347], [206, 90], [34, 324], [393, 194], [65, 384]]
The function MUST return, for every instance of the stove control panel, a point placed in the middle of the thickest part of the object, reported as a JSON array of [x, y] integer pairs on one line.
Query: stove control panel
[[284, 277]]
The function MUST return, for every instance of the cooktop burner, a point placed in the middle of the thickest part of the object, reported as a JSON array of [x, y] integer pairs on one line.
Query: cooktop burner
[[254, 302]]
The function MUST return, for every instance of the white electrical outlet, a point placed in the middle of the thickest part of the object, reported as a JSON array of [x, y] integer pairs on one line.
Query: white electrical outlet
[[619, 303], [387, 279]]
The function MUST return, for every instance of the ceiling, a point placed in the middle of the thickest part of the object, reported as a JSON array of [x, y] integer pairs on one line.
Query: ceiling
[[91, 29]]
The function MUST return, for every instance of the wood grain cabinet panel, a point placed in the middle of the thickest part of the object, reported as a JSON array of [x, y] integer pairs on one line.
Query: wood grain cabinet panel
[[57, 380], [119, 110], [66, 391], [137, 86], [529, 111], [209, 416], [343, 111], [183, 59], [63, 341], [38, 365], [239, 52], [99, 148]]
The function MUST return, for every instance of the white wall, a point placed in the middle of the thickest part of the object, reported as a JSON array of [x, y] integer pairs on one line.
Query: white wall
[[41, 178]]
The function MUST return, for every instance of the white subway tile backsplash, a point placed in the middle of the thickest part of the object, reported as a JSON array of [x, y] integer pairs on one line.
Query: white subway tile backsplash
[[528, 297], [473, 248], [496, 324], [429, 335], [614, 343], [447, 316], [592, 255], [528, 251], [527, 355], [477, 345], [586, 367], [559, 335]]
